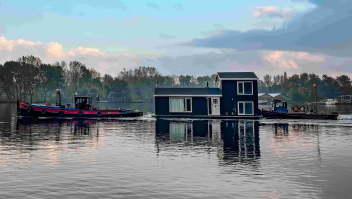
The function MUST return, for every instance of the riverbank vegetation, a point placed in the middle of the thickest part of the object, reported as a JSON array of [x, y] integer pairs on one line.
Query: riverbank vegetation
[[29, 77]]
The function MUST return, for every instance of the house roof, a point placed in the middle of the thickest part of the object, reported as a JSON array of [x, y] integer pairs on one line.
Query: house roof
[[262, 94], [236, 75], [188, 92], [276, 94]]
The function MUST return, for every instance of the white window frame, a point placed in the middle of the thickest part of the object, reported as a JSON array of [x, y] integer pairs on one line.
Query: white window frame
[[244, 107], [185, 111], [238, 90]]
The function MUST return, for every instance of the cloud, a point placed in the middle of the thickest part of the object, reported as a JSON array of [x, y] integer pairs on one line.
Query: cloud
[[55, 50], [278, 60], [288, 60], [166, 36], [153, 5], [326, 30], [179, 6], [272, 12], [206, 63], [105, 63]]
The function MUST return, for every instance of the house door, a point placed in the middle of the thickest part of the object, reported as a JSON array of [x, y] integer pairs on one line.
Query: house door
[[215, 105]]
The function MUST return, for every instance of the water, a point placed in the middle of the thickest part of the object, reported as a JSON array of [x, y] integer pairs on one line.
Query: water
[[148, 158]]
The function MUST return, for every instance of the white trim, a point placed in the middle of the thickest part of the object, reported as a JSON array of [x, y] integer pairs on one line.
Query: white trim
[[243, 87], [244, 79], [187, 95], [212, 104], [185, 111], [244, 105]]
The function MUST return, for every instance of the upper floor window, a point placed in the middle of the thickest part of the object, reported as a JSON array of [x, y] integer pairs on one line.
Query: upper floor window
[[245, 88]]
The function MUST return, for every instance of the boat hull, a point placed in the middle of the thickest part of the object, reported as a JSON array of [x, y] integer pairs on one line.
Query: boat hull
[[27, 110], [274, 115]]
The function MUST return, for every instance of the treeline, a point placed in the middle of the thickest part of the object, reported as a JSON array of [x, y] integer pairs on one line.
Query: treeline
[[29, 77], [299, 87]]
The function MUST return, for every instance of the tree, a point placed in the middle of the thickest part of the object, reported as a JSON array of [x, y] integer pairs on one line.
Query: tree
[[52, 78], [304, 78], [267, 80]]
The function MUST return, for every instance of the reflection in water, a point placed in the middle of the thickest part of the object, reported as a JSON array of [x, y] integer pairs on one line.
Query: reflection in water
[[32, 134], [235, 141], [281, 129]]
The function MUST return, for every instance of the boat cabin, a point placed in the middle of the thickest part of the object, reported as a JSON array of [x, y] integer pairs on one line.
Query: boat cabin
[[83, 103], [236, 96], [279, 106]]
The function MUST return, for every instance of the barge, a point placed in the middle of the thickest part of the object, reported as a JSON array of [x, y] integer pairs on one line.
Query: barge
[[82, 108]]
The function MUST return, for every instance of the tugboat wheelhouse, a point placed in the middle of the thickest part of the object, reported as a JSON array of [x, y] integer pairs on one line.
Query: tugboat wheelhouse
[[235, 97]]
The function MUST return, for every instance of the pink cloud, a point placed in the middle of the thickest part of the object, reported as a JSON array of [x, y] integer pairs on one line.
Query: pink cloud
[[88, 51], [103, 65], [272, 12], [287, 59], [278, 60], [110, 63]]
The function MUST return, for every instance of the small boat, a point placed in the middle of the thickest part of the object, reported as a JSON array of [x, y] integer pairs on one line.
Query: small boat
[[82, 108], [330, 102], [279, 110]]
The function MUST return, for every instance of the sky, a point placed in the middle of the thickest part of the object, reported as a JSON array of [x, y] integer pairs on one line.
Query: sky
[[180, 37]]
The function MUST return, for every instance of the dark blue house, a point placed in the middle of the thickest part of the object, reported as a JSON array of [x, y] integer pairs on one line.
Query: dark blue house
[[235, 97]]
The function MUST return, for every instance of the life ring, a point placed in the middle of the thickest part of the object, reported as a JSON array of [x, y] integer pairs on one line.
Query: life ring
[[29, 109], [302, 108], [99, 114], [295, 108], [80, 113], [61, 113], [43, 111]]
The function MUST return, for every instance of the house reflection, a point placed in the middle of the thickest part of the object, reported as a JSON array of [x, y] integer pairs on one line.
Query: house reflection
[[281, 129], [233, 140]]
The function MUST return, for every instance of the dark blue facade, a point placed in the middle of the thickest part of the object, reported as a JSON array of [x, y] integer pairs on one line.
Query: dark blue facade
[[230, 98]]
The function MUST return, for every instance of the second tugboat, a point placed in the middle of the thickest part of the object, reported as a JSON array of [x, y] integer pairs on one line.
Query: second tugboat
[[82, 108], [279, 110]]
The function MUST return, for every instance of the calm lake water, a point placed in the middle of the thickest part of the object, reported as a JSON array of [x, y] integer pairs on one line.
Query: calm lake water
[[149, 158]]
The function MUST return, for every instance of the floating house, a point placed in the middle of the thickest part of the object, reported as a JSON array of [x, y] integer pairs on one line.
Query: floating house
[[236, 96]]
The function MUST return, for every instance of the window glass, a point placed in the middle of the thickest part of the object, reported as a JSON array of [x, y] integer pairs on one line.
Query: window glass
[[240, 108], [247, 87], [188, 104], [249, 108], [177, 105], [279, 104], [215, 101], [240, 88]]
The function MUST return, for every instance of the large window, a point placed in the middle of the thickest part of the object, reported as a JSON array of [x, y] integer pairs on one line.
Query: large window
[[245, 88], [245, 108], [180, 104]]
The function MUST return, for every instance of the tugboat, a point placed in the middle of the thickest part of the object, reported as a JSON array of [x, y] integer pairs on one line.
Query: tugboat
[[82, 108], [279, 110]]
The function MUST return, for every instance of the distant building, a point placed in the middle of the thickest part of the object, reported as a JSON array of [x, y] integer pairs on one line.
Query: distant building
[[345, 98], [235, 97], [271, 96]]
